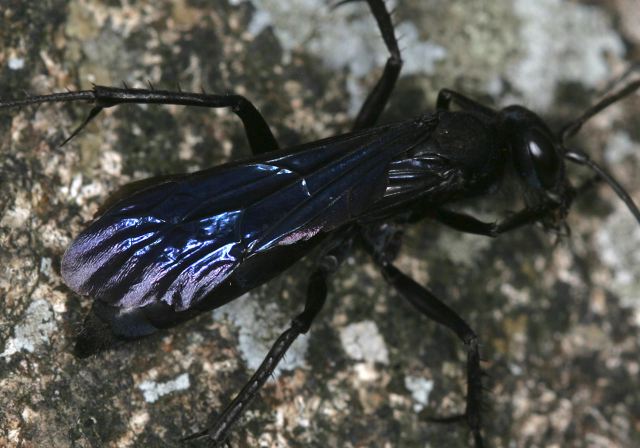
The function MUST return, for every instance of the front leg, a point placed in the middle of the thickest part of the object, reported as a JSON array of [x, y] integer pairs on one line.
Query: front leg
[[469, 224]]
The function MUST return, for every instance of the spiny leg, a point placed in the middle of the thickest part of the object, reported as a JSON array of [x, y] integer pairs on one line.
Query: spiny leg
[[378, 97], [316, 295], [432, 307], [261, 140]]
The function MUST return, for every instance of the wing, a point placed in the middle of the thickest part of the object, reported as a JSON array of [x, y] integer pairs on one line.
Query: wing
[[178, 240]]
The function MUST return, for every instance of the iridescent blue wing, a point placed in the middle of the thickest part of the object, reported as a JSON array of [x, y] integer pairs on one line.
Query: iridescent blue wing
[[178, 240]]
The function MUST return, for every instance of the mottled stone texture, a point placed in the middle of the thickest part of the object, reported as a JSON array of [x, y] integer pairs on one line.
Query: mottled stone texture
[[559, 323]]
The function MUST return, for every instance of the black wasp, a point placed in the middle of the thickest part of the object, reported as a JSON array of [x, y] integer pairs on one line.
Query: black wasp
[[163, 250]]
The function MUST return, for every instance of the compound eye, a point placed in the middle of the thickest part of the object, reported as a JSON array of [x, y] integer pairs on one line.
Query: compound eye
[[546, 162]]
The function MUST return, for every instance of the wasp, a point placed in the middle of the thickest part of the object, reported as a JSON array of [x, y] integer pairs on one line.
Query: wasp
[[162, 250]]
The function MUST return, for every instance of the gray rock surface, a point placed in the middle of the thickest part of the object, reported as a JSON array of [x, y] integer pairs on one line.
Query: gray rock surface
[[559, 323]]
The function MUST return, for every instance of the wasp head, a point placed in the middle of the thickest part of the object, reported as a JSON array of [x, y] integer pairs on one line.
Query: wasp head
[[537, 157]]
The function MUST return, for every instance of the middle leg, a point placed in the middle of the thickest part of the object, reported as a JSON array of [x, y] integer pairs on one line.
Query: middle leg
[[379, 96], [432, 307], [382, 244]]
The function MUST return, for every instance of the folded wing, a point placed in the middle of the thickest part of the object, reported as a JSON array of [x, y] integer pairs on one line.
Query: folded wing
[[176, 241]]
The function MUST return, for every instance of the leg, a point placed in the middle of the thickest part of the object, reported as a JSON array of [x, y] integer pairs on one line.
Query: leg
[[468, 224], [377, 99], [446, 97], [434, 309], [316, 294], [260, 138]]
